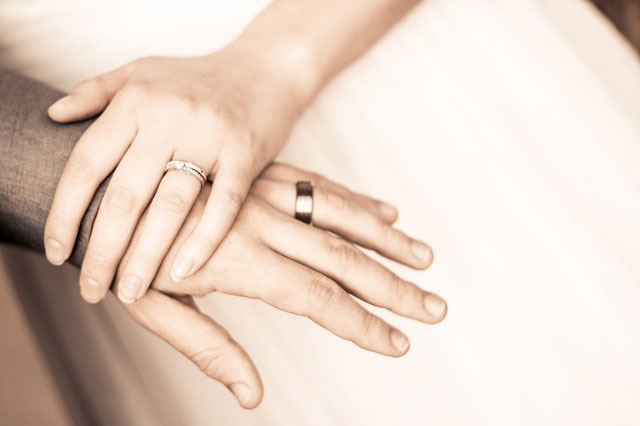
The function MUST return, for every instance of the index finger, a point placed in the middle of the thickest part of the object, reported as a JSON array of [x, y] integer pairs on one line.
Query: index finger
[[95, 156]]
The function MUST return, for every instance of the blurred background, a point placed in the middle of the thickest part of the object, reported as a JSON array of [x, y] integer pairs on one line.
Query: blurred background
[[35, 368]]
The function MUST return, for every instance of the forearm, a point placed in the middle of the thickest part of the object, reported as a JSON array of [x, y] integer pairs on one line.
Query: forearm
[[307, 42], [34, 151]]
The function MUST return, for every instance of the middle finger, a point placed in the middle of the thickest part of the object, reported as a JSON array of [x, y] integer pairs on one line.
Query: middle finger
[[175, 196], [361, 275], [129, 191]]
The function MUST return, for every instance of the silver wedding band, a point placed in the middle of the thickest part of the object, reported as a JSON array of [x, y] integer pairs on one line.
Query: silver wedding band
[[186, 167], [304, 201]]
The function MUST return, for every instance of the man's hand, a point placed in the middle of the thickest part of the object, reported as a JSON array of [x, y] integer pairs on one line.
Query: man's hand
[[307, 270], [205, 342]]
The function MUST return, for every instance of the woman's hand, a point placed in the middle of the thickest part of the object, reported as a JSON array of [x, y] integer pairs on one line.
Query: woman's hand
[[306, 270], [226, 113], [229, 113]]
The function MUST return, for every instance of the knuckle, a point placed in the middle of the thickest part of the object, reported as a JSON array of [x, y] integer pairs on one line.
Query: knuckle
[[99, 81], [244, 138], [371, 325], [335, 201], [171, 204], [247, 152], [80, 168], [204, 242], [209, 361], [315, 178], [323, 294], [321, 181], [120, 200], [143, 259], [201, 200], [399, 289], [187, 104], [234, 198], [136, 90], [136, 65], [57, 225], [391, 236], [91, 84], [100, 261], [206, 114], [346, 254]]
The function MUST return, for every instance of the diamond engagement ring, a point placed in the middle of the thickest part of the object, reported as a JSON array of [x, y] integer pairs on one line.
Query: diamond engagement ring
[[186, 167]]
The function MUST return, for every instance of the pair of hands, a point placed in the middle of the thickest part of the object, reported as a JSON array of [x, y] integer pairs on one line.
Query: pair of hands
[[220, 112], [297, 268], [238, 235]]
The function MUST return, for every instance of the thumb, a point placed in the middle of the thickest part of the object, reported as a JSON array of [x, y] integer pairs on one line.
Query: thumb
[[203, 341], [90, 97]]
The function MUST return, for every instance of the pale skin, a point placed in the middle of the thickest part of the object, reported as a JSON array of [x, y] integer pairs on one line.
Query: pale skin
[[229, 112], [301, 269]]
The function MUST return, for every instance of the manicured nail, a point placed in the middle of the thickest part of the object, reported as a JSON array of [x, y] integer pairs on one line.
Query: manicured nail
[[435, 305], [55, 252], [129, 289], [421, 251], [388, 211], [241, 391], [399, 340], [182, 269], [90, 290]]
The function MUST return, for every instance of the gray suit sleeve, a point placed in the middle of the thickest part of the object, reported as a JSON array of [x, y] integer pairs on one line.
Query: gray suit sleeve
[[33, 152]]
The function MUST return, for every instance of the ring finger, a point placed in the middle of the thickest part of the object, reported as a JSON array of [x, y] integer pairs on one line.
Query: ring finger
[[173, 200], [350, 218], [287, 173]]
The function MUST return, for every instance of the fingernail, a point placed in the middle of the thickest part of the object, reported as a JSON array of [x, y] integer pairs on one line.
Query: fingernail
[[388, 211], [399, 340], [62, 102], [129, 289], [241, 391], [421, 251], [90, 290], [435, 305], [182, 269], [55, 252]]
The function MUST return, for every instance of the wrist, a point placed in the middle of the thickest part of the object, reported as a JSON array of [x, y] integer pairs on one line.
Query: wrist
[[286, 63]]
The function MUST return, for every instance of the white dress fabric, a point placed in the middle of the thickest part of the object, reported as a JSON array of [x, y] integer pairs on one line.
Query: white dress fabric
[[508, 135]]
